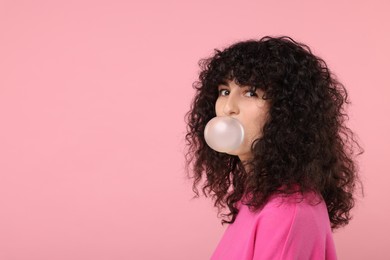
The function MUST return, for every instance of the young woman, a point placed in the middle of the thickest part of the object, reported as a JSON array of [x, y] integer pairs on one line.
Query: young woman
[[292, 181]]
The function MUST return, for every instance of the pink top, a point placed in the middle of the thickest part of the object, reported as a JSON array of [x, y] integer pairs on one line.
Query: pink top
[[291, 230]]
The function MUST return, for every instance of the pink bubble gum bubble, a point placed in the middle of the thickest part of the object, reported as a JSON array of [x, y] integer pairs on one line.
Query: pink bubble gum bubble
[[224, 134]]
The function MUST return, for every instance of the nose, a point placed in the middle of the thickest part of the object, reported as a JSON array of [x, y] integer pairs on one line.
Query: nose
[[231, 107]]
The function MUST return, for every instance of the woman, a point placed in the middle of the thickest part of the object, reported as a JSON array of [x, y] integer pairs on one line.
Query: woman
[[292, 181]]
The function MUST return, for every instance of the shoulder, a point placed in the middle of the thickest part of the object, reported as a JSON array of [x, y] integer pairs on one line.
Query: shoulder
[[295, 205], [295, 211], [291, 203], [287, 225]]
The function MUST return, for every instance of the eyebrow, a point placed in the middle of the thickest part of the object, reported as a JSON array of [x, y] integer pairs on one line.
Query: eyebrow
[[223, 83], [252, 88], [220, 85]]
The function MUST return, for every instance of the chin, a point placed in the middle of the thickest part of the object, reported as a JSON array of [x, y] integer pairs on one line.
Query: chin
[[238, 153], [231, 153]]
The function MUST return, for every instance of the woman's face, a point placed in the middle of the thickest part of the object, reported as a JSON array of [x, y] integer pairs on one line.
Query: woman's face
[[246, 106]]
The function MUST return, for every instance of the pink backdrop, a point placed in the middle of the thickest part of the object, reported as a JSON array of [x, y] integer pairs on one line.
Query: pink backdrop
[[92, 103]]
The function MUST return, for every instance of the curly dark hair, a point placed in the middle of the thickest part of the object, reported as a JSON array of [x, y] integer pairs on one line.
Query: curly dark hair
[[305, 140]]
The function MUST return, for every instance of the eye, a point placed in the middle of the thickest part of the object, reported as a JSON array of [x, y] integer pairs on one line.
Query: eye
[[253, 93], [221, 92]]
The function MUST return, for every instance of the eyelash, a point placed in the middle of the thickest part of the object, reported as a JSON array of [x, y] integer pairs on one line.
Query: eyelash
[[254, 93]]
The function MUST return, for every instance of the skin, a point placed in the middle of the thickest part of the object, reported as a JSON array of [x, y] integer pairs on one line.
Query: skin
[[248, 107]]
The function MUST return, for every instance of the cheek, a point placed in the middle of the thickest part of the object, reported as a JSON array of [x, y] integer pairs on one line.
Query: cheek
[[255, 127], [253, 131]]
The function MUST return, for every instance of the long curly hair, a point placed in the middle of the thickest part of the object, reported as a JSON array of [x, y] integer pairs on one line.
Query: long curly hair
[[305, 140]]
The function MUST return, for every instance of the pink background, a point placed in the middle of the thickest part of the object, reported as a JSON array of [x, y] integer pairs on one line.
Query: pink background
[[92, 103]]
